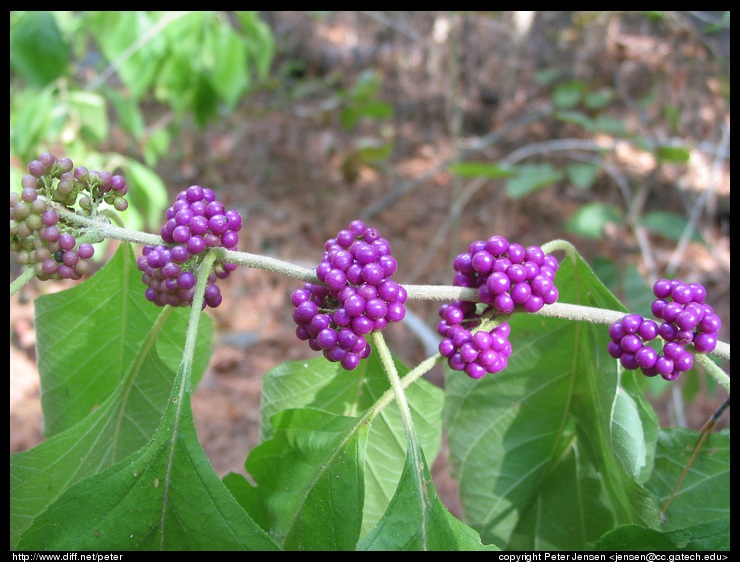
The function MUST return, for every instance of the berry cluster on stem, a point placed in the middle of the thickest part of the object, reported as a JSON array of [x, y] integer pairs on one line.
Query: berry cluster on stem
[[507, 277], [685, 320], [356, 296], [39, 238], [196, 222]]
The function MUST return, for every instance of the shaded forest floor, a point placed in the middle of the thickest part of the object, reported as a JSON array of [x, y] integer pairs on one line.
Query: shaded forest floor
[[297, 175]]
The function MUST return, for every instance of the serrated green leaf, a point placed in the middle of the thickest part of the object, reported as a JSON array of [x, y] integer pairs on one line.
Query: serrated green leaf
[[481, 169], [704, 494], [165, 496], [100, 333], [668, 224], [709, 536], [416, 519], [38, 51], [529, 178], [317, 383], [123, 406], [549, 431], [310, 479], [589, 221]]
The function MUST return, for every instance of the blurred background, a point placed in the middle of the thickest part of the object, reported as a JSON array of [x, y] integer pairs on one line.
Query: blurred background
[[608, 129]]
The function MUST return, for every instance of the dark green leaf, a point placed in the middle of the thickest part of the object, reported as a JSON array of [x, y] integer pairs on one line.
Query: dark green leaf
[[417, 519], [317, 383], [108, 405], [163, 497], [710, 536], [230, 76], [561, 425], [38, 52], [310, 479], [704, 494], [100, 334]]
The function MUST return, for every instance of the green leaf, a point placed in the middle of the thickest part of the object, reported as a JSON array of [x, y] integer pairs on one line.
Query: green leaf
[[205, 100], [709, 536], [582, 174], [91, 110], [320, 384], [673, 154], [310, 479], [147, 191], [480, 169], [38, 52], [609, 125], [556, 427], [230, 75], [529, 178], [704, 494], [575, 117], [129, 42], [163, 497], [416, 519], [259, 40], [130, 116], [568, 95], [113, 405], [99, 334], [30, 121], [669, 225], [598, 99], [589, 221]]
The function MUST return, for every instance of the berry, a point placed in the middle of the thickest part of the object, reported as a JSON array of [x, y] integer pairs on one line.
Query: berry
[[685, 319], [355, 296], [196, 221]]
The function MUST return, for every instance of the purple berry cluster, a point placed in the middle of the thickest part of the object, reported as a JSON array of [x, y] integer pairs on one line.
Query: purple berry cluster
[[37, 236], [508, 277], [195, 222], [475, 353], [685, 319], [355, 297]]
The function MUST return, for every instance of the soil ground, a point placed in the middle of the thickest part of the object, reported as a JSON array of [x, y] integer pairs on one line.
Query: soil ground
[[297, 176]]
